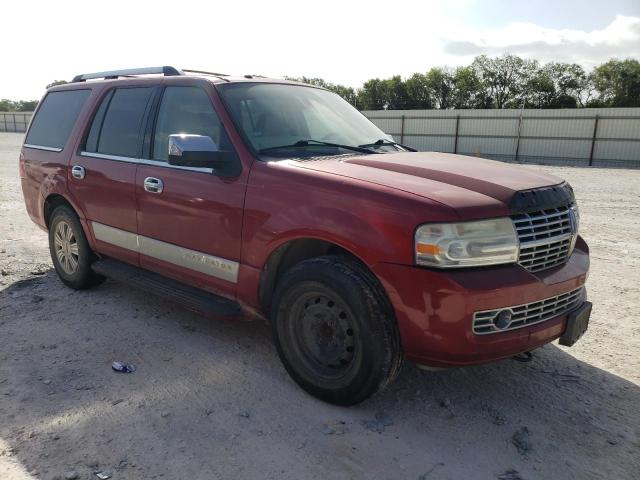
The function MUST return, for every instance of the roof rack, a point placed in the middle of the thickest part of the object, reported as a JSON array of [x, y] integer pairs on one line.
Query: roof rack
[[166, 71], [205, 73], [221, 76]]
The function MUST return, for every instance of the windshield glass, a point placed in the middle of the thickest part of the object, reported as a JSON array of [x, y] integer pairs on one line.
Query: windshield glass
[[280, 118]]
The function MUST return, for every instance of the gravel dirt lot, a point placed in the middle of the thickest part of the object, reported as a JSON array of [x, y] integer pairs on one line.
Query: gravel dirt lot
[[210, 400]]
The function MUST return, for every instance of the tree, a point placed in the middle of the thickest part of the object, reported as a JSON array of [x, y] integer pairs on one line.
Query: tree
[[504, 78], [372, 95], [26, 105], [418, 91], [539, 90], [573, 86], [56, 82], [618, 83], [348, 93], [440, 86], [468, 91], [397, 96], [7, 105]]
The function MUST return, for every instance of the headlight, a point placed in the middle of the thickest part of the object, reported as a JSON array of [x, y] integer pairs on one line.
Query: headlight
[[466, 244]]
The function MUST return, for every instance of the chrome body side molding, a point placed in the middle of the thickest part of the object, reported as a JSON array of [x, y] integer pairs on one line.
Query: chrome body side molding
[[183, 257], [42, 147], [143, 161]]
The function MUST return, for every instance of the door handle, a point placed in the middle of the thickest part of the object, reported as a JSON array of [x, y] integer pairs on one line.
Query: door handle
[[78, 172], [153, 185]]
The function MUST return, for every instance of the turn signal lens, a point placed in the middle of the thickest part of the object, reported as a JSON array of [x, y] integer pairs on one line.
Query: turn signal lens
[[427, 249]]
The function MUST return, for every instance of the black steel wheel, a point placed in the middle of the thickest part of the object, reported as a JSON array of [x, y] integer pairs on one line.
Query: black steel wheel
[[335, 331]]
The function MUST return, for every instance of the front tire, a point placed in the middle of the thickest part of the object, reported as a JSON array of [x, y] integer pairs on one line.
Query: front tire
[[335, 330], [70, 251]]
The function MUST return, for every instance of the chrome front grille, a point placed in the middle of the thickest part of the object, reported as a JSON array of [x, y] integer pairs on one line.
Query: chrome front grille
[[527, 314], [546, 237]]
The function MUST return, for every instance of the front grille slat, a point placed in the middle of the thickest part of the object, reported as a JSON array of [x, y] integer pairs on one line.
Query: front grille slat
[[545, 237], [542, 215], [539, 232], [528, 314]]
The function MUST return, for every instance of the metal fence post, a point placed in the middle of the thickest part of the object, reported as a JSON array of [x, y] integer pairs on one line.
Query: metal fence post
[[402, 129], [593, 139], [518, 138], [455, 142]]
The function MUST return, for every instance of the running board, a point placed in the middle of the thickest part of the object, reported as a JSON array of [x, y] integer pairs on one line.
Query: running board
[[205, 303]]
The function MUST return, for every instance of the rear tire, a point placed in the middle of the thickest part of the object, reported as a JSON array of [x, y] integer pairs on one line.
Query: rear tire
[[335, 330], [70, 252]]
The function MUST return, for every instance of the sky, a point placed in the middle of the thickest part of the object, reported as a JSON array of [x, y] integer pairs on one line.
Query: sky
[[345, 41]]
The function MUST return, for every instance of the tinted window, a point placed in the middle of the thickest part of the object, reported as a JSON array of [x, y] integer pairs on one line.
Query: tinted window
[[121, 130], [186, 110], [91, 144], [55, 118]]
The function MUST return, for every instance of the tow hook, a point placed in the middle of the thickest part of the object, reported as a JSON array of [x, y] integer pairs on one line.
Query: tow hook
[[523, 357]]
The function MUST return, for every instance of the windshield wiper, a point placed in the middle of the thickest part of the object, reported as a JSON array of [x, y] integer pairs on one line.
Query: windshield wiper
[[386, 142], [307, 143]]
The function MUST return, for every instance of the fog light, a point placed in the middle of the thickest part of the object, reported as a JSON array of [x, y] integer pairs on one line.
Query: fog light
[[503, 319]]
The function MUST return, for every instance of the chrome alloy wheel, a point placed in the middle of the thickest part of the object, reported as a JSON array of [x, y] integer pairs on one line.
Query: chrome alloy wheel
[[66, 247]]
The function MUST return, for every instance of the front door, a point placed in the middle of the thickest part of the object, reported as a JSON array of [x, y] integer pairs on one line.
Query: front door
[[189, 219], [103, 180]]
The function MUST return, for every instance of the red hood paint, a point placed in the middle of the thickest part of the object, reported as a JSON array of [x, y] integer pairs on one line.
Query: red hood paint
[[467, 184]]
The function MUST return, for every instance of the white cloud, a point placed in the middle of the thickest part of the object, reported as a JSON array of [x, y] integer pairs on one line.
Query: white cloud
[[621, 38]]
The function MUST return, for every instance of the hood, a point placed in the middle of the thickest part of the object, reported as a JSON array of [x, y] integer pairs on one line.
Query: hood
[[473, 186]]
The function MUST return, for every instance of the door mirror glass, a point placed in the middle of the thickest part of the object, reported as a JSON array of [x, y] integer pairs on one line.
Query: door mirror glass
[[199, 151]]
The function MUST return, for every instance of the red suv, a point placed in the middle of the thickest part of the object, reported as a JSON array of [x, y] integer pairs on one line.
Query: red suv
[[246, 196]]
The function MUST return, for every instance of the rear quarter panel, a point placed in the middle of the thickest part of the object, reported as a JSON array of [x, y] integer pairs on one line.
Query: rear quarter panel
[[44, 173]]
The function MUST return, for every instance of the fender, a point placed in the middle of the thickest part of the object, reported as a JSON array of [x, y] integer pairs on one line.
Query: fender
[[284, 202], [357, 236]]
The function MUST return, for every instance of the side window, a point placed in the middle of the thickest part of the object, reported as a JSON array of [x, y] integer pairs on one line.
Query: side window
[[91, 144], [186, 110], [117, 125], [55, 118]]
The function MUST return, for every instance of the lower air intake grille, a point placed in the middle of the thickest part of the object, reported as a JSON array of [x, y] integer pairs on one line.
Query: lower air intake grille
[[520, 316]]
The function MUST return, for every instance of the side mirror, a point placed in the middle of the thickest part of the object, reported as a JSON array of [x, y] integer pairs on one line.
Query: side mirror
[[201, 151]]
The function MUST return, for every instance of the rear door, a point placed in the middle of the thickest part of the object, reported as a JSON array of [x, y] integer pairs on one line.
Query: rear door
[[190, 228], [104, 170]]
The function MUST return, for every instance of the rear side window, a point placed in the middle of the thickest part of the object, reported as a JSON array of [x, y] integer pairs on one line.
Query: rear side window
[[55, 118], [117, 125]]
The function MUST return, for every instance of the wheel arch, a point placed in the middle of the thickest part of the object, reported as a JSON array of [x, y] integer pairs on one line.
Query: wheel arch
[[290, 253], [54, 200]]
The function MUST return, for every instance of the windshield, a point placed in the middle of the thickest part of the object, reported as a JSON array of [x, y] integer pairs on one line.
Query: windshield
[[286, 120]]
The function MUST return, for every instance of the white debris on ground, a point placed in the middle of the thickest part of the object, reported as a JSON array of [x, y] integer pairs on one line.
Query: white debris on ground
[[211, 400]]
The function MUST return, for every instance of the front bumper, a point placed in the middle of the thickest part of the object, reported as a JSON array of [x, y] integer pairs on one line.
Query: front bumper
[[434, 308]]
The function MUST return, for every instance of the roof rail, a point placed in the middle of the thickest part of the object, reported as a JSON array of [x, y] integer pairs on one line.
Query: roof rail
[[166, 71], [214, 74]]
